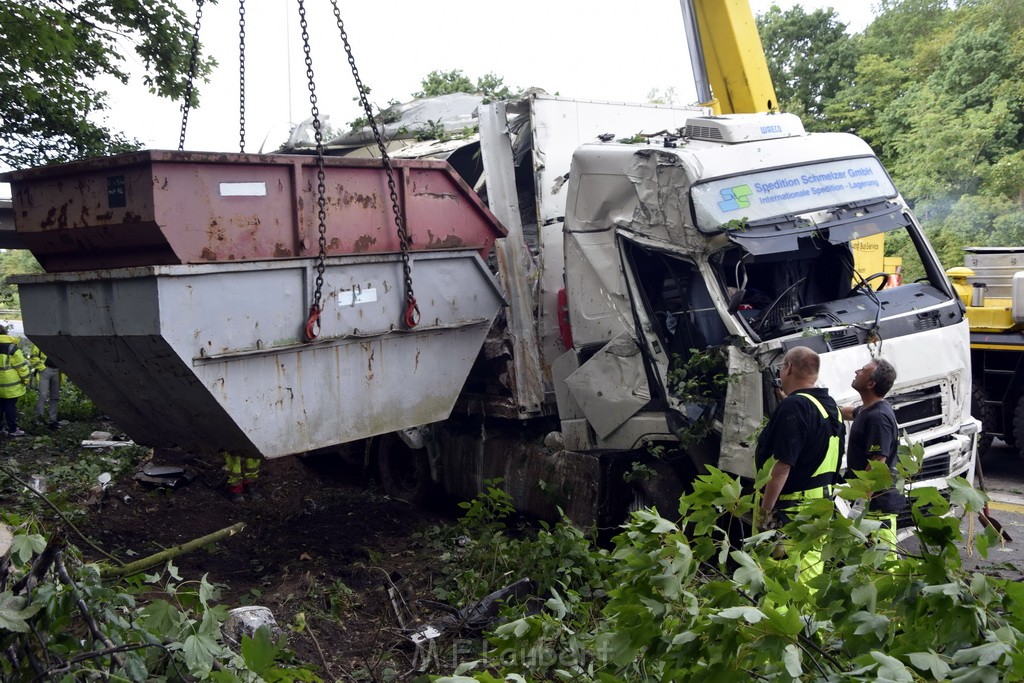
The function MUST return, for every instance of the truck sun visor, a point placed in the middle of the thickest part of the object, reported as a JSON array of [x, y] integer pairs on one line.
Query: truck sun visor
[[775, 237]]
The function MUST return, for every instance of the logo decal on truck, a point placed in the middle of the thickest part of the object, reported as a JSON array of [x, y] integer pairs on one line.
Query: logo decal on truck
[[734, 198]]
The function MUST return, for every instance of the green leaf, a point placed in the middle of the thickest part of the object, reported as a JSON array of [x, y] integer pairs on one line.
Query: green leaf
[[929, 661], [865, 596], [13, 613], [751, 615], [791, 660], [259, 652], [962, 494], [870, 623], [983, 655], [891, 669], [160, 616], [26, 545], [199, 651]]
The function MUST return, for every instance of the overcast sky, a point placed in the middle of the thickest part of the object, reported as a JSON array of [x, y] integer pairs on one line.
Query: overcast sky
[[593, 49], [588, 49]]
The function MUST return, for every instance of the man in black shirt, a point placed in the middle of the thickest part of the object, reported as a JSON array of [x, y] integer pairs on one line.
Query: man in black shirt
[[874, 434], [803, 435]]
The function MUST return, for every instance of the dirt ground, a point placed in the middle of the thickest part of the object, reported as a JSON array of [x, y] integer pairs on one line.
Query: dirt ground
[[319, 544]]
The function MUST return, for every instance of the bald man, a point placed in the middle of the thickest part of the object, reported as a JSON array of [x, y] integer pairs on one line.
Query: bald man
[[804, 435]]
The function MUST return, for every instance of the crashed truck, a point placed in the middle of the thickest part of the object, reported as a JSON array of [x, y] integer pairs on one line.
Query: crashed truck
[[609, 326]]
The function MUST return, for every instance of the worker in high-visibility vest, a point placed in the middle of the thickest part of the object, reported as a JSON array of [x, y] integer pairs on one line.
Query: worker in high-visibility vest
[[874, 435], [48, 382], [14, 374], [804, 436], [242, 476]]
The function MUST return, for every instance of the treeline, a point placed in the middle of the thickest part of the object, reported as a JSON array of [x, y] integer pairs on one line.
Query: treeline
[[936, 87]]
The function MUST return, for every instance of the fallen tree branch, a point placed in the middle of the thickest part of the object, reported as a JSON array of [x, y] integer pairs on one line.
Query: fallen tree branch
[[60, 514], [170, 553], [83, 609]]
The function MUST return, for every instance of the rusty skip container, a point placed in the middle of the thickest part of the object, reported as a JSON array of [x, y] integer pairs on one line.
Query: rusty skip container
[[165, 208], [209, 357]]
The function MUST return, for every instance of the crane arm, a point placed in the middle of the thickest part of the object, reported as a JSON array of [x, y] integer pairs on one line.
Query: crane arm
[[729, 64]]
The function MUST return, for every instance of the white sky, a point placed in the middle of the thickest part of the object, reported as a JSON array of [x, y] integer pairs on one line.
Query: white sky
[[593, 49], [587, 49]]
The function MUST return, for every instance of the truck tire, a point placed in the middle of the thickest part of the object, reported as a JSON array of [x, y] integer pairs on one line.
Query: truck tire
[[661, 490], [404, 472], [1018, 423], [981, 412]]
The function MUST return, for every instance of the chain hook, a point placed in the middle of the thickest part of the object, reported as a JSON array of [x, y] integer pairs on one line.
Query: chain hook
[[412, 314], [313, 323], [321, 189], [412, 311]]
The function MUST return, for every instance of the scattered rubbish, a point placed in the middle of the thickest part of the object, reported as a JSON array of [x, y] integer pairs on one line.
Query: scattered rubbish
[[164, 476], [476, 616], [104, 480], [99, 443], [37, 483], [244, 621], [101, 436]]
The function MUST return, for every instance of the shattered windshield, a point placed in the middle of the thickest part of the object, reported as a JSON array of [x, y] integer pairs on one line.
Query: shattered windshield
[[792, 275]]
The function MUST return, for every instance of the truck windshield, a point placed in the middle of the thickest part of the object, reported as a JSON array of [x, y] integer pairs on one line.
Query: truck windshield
[[791, 191], [791, 275]]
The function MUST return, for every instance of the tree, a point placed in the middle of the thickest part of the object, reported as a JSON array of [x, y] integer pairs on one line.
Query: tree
[[51, 54], [810, 58], [14, 262], [490, 85]]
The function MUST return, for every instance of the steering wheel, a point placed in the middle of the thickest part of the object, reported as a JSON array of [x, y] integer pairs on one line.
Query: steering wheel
[[762, 324], [864, 283]]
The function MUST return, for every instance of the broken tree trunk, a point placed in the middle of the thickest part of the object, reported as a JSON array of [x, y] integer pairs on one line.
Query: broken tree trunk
[[169, 554]]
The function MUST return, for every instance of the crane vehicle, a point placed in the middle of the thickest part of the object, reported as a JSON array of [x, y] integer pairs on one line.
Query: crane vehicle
[[991, 287], [608, 327]]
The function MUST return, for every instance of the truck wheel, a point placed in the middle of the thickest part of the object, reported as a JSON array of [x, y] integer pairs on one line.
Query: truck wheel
[[981, 412], [404, 472], [661, 490]]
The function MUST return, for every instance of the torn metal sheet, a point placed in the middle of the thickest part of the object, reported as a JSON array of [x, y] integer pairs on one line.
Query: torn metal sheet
[[612, 386], [744, 408]]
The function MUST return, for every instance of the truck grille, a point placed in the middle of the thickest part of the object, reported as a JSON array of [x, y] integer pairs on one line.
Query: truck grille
[[918, 410]]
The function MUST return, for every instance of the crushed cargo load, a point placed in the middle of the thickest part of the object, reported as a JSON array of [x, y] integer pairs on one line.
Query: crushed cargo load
[[183, 318]]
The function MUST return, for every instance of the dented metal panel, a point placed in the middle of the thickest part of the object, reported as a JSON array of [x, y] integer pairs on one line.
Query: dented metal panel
[[744, 408], [209, 358], [161, 208], [612, 386]]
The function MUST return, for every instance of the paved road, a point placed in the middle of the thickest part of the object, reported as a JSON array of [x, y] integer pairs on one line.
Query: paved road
[[1004, 479]]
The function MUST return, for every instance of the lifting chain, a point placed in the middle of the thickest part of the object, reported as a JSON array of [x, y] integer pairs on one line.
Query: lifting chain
[[241, 76], [313, 322], [412, 310], [193, 58]]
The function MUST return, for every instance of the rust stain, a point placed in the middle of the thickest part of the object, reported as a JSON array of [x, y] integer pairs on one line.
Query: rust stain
[[365, 201], [369, 363], [62, 218], [215, 232], [417, 365], [364, 243], [439, 195], [102, 216], [208, 254], [334, 244], [84, 217], [449, 241], [130, 217], [280, 251]]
